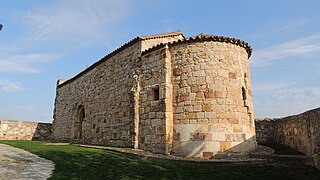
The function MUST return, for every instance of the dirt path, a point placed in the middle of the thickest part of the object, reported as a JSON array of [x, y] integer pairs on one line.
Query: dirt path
[[19, 164]]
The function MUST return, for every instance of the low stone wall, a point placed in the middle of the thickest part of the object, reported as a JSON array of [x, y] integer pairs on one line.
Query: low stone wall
[[301, 132], [265, 130], [21, 130]]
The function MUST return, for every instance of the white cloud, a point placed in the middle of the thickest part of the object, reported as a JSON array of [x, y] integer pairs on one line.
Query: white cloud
[[283, 99], [73, 23], [27, 112], [43, 33], [63, 27], [270, 87], [295, 24], [287, 93], [23, 63], [277, 26], [8, 86], [301, 47]]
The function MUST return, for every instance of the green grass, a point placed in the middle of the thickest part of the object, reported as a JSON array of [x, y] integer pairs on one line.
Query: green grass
[[281, 149], [72, 162]]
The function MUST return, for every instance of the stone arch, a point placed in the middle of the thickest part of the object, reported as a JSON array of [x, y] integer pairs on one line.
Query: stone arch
[[77, 123]]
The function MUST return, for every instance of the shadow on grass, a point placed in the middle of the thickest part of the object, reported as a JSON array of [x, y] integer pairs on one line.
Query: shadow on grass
[[281, 149], [73, 162]]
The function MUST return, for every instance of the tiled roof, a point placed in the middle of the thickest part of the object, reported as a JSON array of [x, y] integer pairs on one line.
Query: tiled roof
[[124, 46], [205, 37], [154, 36]]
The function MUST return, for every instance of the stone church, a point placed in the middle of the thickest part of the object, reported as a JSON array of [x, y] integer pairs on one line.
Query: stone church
[[163, 93]]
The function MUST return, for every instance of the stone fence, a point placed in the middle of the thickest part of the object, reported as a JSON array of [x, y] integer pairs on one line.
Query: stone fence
[[21, 130], [265, 130], [300, 132]]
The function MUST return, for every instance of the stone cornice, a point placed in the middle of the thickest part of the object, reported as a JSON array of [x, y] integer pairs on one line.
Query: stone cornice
[[205, 37]]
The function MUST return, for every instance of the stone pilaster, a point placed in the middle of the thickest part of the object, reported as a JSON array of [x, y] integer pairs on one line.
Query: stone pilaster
[[168, 101]]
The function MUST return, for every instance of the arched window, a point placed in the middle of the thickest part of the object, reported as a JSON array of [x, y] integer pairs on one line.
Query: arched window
[[82, 114], [81, 117]]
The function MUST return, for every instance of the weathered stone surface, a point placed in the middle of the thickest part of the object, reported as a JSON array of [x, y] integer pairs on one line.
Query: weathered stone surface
[[224, 146], [265, 130], [218, 94], [213, 86], [176, 72], [144, 98], [207, 155], [110, 93], [22, 130], [207, 107]]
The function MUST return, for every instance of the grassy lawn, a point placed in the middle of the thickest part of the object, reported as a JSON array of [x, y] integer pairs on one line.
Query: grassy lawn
[[74, 162], [282, 149]]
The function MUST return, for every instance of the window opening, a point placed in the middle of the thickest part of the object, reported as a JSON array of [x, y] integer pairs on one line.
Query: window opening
[[244, 95], [155, 93], [82, 116]]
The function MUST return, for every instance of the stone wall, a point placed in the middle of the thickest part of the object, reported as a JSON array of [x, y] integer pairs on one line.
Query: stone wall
[[149, 43], [301, 132], [107, 95], [212, 101], [265, 130], [21, 130], [155, 127], [204, 106], [103, 93]]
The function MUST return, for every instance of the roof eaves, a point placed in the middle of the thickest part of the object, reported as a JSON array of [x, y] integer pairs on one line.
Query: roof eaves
[[154, 36], [105, 58], [205, 37], [129, 43]]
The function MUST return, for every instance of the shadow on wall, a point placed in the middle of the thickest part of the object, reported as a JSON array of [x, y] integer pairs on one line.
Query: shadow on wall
[[203, 148], [300, 132], [43, 131], [21, 130]]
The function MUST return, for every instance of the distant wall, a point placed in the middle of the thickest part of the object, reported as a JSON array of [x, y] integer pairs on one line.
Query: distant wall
[[301, 132], [265, 130], [20, 130]]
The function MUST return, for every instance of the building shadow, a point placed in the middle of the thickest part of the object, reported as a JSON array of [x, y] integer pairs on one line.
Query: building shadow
[[43, 131]]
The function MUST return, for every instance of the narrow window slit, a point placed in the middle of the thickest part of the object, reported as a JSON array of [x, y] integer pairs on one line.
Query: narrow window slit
[[155, 93], [244, 95]]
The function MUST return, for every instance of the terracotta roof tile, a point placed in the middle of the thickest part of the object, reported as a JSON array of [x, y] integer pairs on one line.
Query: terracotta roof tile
[[153, 36], [205, 37]]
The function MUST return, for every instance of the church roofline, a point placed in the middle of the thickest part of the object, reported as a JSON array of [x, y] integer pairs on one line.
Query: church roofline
[[116, 51], [154, 36], [204, 37]]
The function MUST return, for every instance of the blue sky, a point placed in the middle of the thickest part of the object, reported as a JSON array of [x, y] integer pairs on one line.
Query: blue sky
[[42, 41]]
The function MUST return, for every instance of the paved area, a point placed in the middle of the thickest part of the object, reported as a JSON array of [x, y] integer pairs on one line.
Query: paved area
[[18, 164]]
